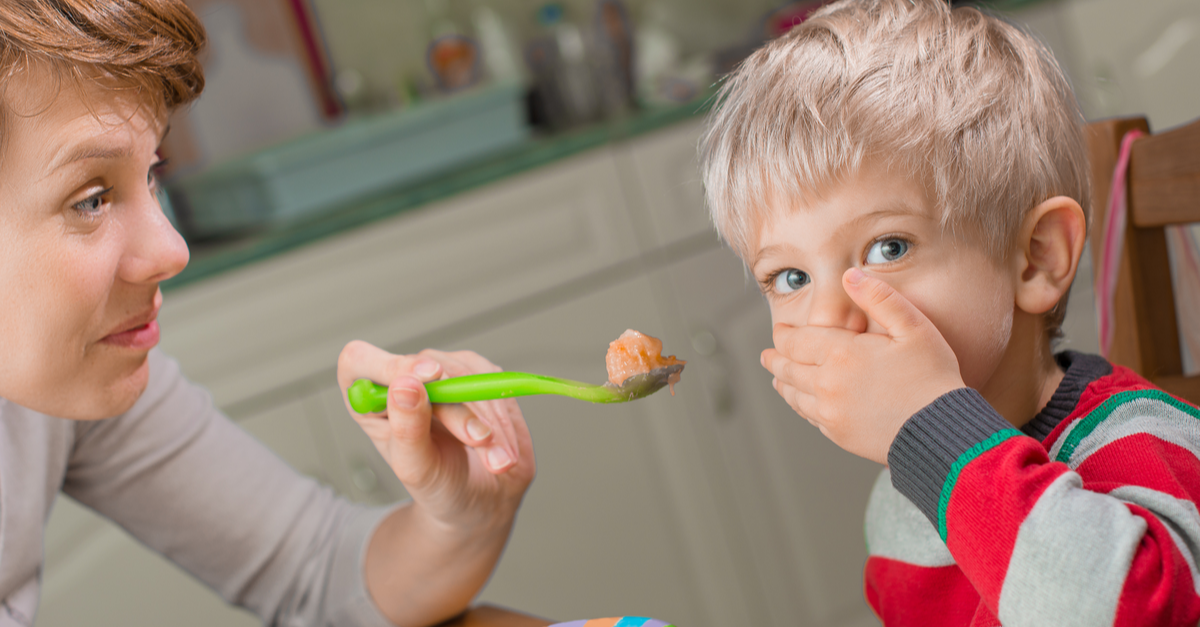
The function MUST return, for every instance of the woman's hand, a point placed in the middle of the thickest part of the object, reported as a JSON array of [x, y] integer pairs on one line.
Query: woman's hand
[[463, 464], [466, 467]]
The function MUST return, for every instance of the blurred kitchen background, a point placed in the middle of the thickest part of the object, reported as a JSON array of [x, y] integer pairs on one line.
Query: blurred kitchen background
[[518, 178]]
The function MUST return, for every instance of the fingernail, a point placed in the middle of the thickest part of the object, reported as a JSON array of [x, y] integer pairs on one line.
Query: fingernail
[[498, 458], [425, 368], [405, 398], [855, 276], [477, 429]]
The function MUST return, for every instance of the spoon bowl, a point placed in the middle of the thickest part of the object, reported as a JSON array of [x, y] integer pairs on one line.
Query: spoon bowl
[[367, 397]]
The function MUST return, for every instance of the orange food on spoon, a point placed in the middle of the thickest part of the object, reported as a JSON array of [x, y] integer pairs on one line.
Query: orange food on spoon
[[637, 353]]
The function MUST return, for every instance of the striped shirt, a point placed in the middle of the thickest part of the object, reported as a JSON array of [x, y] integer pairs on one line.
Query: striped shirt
[[1085, 516]]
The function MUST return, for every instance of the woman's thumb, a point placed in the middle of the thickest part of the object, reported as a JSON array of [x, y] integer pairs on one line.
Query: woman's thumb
[[409, 414]]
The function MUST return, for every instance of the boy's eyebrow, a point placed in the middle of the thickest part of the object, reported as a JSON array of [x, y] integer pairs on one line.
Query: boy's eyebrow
[[891, 208], [769, 251]]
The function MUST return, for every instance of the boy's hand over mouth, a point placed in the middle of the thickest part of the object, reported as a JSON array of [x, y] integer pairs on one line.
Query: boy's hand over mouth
[[860, 388]]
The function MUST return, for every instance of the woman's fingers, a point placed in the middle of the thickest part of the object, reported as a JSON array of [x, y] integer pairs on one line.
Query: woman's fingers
[[360, 360], [411, 452], [485, 426], [466, 426], [502, 448]]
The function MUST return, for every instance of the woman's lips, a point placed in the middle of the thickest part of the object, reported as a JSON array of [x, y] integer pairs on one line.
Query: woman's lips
[[143, 337]]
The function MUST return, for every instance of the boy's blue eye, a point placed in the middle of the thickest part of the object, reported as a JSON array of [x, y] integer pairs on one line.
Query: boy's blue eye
[[790, 280], [888, 250]]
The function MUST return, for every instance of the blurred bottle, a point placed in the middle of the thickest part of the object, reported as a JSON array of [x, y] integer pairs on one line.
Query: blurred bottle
[[565, 89], [501, 58], [614, 56], [453, 55], [665, 75]]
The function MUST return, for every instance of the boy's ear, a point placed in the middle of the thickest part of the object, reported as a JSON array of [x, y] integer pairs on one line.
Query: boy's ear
[[1051, 241]]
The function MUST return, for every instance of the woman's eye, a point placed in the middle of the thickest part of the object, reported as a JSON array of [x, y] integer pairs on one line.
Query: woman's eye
[[888, 250], [91, 204], [790, 280], [156, 172]]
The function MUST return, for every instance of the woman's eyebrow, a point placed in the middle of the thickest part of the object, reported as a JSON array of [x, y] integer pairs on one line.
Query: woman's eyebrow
[[97, 151], [84, 153]]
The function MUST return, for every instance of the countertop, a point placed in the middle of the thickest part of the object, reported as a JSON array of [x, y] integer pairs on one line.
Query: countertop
[[210, 258]]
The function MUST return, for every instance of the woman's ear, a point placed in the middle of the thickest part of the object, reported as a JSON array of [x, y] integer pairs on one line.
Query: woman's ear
[[1051, 241]]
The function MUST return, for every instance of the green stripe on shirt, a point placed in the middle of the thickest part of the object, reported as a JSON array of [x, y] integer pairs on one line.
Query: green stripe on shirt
[[1101, 413], [967, 457]]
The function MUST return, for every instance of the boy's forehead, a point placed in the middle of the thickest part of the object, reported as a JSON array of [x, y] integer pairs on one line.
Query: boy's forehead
[[867, 193]]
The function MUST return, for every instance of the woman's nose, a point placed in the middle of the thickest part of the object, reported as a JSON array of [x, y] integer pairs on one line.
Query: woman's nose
[[155, 251], [831, 306]]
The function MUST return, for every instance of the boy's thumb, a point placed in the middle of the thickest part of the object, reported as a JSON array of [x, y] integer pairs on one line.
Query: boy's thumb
[[883, 304]]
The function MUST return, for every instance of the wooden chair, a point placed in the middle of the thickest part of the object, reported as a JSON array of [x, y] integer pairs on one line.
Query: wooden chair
[[1163, 189], [492, 616]]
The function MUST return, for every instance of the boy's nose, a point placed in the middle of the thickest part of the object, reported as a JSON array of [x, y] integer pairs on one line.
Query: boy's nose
[[154, 251], [831, 306]]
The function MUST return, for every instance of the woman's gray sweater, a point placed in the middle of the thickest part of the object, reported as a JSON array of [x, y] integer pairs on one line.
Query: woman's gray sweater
[[190, 484]]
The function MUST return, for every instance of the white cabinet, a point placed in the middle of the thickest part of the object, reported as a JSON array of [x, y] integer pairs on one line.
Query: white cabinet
[[281, 323], [715, 507], [798, 498]]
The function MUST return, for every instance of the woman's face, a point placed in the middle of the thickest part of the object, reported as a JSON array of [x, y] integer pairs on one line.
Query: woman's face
[[83, 246]]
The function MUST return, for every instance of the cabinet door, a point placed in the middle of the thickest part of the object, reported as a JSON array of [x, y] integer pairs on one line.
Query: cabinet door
[[361, 474], [622, 517], [799, 497], [661, 175], [96, 574], [269, 331]]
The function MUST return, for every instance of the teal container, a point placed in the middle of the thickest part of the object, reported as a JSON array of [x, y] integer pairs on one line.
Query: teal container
[[321, 171]]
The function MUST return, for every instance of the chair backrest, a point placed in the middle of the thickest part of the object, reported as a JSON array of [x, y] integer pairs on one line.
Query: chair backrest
[[1163, 189]]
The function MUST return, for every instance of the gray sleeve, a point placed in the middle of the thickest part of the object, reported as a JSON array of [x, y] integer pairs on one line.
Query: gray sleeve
[[193, 486]]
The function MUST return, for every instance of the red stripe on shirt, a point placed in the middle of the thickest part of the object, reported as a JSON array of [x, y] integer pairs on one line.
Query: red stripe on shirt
[[892, 586], [993, 496], [1161, 466], [1158, 589]]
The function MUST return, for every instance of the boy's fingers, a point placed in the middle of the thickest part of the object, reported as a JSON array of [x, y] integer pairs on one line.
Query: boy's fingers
[[789, 372], [803, 404], [883, 304], [807, 344]]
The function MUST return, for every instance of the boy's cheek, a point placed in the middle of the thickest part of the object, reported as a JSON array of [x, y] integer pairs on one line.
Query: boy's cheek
[[791, 314]]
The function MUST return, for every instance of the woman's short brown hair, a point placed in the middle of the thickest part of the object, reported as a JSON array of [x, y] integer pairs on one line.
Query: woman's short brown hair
[[147, 45]]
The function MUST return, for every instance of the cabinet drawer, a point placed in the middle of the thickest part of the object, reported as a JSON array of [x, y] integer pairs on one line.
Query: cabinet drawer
[[261, 327]]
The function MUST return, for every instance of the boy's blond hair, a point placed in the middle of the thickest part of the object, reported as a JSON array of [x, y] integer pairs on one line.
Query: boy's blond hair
[[977, 110]]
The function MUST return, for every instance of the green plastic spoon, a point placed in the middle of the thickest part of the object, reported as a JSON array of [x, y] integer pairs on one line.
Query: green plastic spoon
[[368, 397]]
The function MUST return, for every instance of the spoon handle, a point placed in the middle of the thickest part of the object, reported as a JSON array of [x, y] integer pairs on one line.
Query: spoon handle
[[368, 397]]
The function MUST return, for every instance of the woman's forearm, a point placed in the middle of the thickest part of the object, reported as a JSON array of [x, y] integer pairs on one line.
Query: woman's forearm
[[420, 571]]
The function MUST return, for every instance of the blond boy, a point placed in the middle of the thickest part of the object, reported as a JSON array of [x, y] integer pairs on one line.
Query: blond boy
[[908, 185]]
